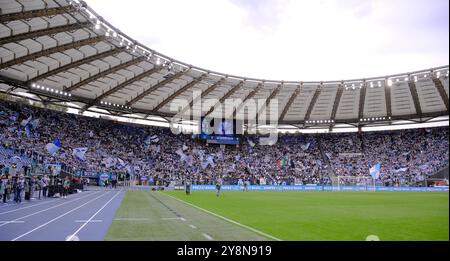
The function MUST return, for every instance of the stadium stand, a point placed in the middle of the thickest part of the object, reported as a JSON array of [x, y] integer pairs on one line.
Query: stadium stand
[[407, 157]]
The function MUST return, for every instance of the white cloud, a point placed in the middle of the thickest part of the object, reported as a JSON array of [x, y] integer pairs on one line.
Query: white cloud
[[287, 39]]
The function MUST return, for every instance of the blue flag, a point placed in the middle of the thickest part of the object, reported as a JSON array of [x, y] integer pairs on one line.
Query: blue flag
[[53, 147], [375, 171]]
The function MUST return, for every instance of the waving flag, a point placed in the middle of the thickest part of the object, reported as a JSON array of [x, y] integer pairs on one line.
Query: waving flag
[[28, 131], [305, 147], [151, 139], [53, 147], [251, 143], [120, 164], [35, 123], [375, 171], [401, 170], [25, 122], [79, 153], [209, 161]]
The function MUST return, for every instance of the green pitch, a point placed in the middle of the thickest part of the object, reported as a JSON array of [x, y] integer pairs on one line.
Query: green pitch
[[304, 216]]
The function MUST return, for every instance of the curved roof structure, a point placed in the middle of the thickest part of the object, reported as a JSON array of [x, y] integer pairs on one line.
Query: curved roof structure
[[62, 50]]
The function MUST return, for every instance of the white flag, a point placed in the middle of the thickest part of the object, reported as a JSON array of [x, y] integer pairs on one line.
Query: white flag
[[79, 153]]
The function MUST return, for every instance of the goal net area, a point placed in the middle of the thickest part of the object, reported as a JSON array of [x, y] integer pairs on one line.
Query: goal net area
[[364, 183]]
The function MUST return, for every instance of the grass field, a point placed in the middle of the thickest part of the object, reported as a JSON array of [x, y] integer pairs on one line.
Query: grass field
[[303, 216]]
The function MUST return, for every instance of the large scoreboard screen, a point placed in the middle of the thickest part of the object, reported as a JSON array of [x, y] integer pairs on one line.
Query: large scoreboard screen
[[220, 131]]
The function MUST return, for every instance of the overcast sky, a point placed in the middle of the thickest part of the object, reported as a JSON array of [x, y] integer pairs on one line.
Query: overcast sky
[[298, 40]]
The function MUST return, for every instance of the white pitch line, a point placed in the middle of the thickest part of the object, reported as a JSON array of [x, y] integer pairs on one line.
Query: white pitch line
[[88, 221], [58, 217], [95, 214], [207, 236], [192, 226], [35, 213], [177, 218], [226, 219]]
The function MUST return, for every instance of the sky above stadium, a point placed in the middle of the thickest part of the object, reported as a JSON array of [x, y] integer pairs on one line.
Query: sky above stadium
[[290, 39]]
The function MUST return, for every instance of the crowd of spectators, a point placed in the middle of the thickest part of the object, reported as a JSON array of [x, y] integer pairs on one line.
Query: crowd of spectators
[[158, 157]]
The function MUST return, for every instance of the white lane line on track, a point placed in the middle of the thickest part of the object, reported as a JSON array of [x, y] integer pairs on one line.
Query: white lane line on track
[[95, 214], [30, 206], [192, 226], [226, 219], [58, 217], [207, 236], [12, 222], [35, 213], [88, 221]]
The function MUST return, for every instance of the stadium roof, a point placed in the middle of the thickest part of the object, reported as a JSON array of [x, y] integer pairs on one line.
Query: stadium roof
[[63, 51]]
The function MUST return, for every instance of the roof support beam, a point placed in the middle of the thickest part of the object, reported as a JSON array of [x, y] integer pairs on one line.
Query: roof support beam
[[337, 101], [290, 102], [105, 73], [313, 102], [154, 88], [226, 96], [6, 18], [53, 50], [77, 63], [387, 94], [248, 97], [362, 100], [271, 96], [178, 92], [43, 32], [415, 96], [442, 93], [125, 84]]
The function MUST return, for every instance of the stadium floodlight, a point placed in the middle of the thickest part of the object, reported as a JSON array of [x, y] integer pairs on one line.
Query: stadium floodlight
[[33, 85], [48, 89], [389, 82], [390, 117], [425, 76], [97, 26], [70, 95], [438, 74], [406, 79], [379, 84], [371, 84], [397, 80], [114, 34]]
